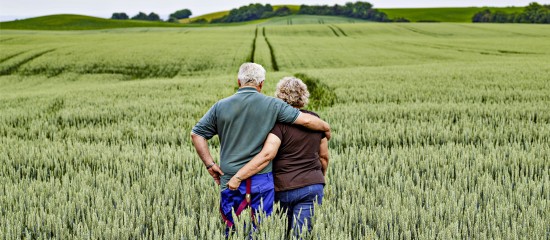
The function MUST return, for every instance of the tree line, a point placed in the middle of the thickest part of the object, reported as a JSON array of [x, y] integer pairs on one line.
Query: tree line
[[174, 17], [534, 13], [361, 10], [252, 12]]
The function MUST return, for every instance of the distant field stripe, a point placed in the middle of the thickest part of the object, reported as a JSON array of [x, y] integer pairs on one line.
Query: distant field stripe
[[339, 29], [514, 52], [271, 52], [6, 39], [334, 31], [11, 69], [432, 34]]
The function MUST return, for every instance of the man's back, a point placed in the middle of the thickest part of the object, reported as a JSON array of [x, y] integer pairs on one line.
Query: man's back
[[242, 122]]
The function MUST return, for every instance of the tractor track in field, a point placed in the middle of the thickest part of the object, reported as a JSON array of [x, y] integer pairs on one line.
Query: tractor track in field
[[251, 57], [340, 29], [15, 67], [271, 52], [333, 31], [11, 56]]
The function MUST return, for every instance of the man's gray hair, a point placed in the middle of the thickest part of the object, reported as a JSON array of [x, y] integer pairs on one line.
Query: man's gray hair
[[251, 73]]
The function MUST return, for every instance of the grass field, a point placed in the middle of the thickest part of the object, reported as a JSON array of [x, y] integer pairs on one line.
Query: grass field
[[440, 131], [443, 14]]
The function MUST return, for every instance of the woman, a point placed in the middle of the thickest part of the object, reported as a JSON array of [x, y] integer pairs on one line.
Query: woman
[[300, 160]]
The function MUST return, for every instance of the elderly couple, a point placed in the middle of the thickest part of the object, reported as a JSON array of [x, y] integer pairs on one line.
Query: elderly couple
[[255, 129]]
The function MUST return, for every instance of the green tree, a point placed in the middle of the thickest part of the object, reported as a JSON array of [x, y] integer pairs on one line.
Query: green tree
[[181, 14], [119, 16], [153, 17], [141, 16], [533, 13]]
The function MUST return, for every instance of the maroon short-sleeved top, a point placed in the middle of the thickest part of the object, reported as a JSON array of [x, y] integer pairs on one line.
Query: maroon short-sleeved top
[[297, 163]]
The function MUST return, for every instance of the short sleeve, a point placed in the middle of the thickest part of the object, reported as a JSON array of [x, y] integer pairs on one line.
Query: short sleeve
[[206, 127], [286, 114], [277, 130]]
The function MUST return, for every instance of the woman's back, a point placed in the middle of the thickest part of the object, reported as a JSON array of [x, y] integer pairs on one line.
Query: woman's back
[[297, 163]]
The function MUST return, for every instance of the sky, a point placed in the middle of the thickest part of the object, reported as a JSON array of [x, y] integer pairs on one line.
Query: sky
[[19, 9]]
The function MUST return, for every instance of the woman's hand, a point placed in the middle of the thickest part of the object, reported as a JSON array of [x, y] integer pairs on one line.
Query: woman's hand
[[233, 183]]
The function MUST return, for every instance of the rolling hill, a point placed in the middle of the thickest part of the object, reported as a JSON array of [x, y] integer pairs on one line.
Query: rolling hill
[[463, 14], [78, 22], [208, 17], [442, 14]]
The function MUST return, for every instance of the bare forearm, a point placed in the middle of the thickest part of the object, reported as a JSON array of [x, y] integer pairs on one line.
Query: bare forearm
[[262, 159], [324, 165], [314, 123], [324, 155], [254, 166], [201, 145]]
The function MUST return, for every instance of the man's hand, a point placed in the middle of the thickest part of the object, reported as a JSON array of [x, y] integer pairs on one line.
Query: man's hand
[[201, 145], [215, 172], [233, 183], [328, 134]]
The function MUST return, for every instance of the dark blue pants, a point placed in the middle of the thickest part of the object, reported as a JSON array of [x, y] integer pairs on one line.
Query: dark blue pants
[[298, 204], [263, 191]]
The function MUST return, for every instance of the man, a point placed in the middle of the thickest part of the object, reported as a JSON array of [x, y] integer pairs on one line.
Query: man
[[242, 122]]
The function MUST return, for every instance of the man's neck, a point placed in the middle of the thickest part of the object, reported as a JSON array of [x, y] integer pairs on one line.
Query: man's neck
[[258, 88]]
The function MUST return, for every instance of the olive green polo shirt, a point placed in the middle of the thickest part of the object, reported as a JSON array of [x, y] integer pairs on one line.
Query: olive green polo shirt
[[242, 122]]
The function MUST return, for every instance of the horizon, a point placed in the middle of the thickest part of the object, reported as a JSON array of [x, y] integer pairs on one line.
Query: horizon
[[10, 11]]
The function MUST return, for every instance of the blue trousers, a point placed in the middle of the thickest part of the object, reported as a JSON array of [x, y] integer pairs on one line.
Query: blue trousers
[[298, 204], [263, 191]]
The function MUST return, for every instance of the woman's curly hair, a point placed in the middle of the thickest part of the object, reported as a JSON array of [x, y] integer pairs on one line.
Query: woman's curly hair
[[293, 91]]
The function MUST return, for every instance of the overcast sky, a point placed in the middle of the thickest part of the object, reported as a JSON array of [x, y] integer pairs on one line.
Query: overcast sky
[[12, 9]]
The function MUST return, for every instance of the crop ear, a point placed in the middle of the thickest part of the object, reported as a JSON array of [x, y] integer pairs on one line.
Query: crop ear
[[239, 82]]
